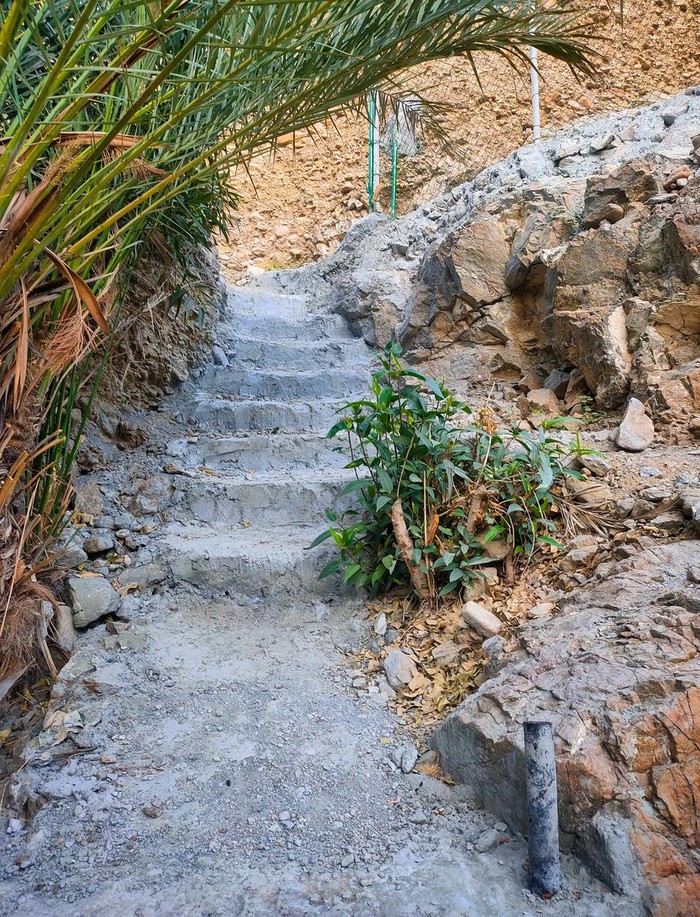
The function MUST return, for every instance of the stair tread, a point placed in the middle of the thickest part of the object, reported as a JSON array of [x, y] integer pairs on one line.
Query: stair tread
[[294, 476], [242, 540]]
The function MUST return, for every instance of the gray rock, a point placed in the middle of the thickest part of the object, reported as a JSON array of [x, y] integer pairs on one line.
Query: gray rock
[[88, 498], [636, 431], [98, 543], [399, 669], [488, 840], [596, 464], [601, 142], [568, 147], [142, 576], [64, 628], [92, 597], [673, 111], [409, 757], [70, 556], [218, 355]]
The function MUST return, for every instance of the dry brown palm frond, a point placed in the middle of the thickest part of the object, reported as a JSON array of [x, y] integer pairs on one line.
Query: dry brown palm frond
[[65, 346]]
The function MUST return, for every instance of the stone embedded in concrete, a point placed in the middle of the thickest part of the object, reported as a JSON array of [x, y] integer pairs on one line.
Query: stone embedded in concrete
[[92, 597]]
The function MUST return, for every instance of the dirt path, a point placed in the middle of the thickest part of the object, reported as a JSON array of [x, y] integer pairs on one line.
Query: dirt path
[[220, 756]]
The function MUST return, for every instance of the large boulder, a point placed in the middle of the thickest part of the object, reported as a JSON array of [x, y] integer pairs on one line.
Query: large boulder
[[618, 672]]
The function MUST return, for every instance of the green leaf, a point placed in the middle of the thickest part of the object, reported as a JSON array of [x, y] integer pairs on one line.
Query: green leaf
[[385, 480], [389, 561], [351, 571], [324, 536], [546, 539], [359, 484], [331, 568]]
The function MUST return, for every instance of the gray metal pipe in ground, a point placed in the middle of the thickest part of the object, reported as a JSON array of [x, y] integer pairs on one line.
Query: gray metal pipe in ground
[[543, 820]]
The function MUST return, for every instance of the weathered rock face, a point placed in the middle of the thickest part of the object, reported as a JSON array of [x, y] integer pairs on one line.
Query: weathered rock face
[[617, 299], [618, 670], [587, 262]]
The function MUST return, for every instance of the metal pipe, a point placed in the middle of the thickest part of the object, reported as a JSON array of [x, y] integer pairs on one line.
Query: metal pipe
[[394, 173], [375, 145], [543, 818], [535, 94]]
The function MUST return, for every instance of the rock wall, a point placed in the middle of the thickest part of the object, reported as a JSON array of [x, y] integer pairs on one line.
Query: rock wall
[[618, 672]]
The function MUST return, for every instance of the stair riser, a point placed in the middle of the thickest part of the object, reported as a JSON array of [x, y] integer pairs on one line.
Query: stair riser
[[289, 452], [275, 329], [238, 577], [271, 386], [289, 355], [266, 504], [265, 305], [253, 417]]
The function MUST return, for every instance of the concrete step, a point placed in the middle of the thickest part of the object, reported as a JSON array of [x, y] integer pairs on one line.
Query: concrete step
[[299, 354], [235, 416], [261, 499], [269, 452], [266, 562], [283, 385], [303, 327], [240, 302]]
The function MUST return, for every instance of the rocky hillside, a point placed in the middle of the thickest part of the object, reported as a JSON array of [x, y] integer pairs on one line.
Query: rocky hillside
[[297, 205]]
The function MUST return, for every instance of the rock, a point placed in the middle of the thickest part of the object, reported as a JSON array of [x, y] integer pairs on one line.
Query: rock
[[488, 840], [409, 757], [694, 426], [595, 463], [583, 549], [88, 499], [636, 431], [541, 610], [543, 399], [481, 619], [399, 669], [98, 544], [92, 597], [617, 672], [601, 142], [64, 628], [219, 356], [673, 111], [380, 624], [568, 147], [70, 556], [558, 382], [690, 504], [676, 177], [656, 494], [478, 261], [608, 212], [142, 577]]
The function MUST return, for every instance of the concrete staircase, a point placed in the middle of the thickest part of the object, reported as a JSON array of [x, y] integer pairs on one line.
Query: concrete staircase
[[263, 472]]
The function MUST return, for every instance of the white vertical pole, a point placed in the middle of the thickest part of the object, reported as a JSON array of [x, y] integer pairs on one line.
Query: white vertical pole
[[535, 94], [375, 145]]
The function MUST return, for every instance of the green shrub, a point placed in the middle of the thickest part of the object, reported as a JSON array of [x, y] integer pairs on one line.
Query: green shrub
[[469, 494]]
